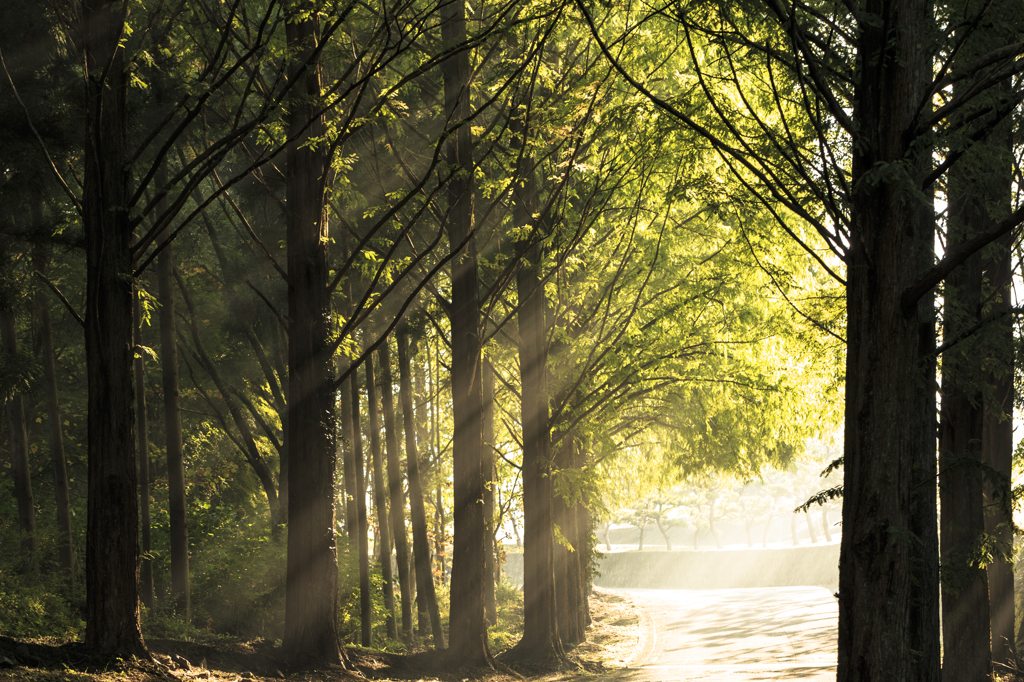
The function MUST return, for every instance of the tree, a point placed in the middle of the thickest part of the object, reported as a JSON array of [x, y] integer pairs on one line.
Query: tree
[[311, 624], [864, 79], [396, 489], [417, 513], [468, 637], [380, 503], [112, 551]]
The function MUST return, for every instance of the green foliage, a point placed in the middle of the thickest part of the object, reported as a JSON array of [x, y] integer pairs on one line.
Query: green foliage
[[238, 582], [509, 629], [36, 606]]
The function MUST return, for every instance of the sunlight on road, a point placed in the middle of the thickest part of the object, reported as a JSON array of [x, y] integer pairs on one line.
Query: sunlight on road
[[784, 633]]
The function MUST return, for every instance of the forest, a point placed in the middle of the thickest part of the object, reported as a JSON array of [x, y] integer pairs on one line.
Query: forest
[[309, 306]]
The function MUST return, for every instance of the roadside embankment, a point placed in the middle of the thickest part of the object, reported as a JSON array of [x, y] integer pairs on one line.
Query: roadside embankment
[[711, 569]]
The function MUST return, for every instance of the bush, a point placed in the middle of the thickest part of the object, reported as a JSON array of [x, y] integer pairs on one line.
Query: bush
[[37, 606]]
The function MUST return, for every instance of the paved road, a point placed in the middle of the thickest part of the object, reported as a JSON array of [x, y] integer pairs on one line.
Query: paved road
[[738, 635]]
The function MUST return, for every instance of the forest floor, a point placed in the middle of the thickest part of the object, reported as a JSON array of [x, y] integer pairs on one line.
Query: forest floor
[[611, 643]]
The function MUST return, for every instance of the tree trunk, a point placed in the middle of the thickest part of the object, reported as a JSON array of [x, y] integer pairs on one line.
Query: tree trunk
[[965, 609], [747, 526], [397, 491], [146, 564], [490, 605], [57, 457], [177, 503], [362, 531], [112, 535], [468, 629], [569, 575], [421, 437], [418, 516], [888, 577], [348, 461], [810, 528], [825, 525], [380, 495], [997, 452], [792, 528], [20, 469], [311, 600], [540, 627]]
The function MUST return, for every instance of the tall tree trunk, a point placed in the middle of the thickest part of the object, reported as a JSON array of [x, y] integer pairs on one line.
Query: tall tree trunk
[[569, 576], [978, 191], [825, 524], [396, 490], [181, 592], [965, 609], [362, 530], [440, 536], [380, 495], [468, 629], [57, 457], [112, 535], [490, 604], [146, 565], [311, 600], [541, 639], [417, 512], [420, 437], [888, 569], [997, 452], [20, 469], [348, 461]]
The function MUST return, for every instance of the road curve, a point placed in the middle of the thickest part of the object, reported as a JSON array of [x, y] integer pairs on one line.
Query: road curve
[[736, 635]]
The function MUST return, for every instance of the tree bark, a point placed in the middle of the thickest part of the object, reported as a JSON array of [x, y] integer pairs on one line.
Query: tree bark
[[112, 535], [396, 490], [380, 495], [57, 456], [965, 609], [541, 641], [365, 598], [311, 600], [177, 503], [997, 452], [490, 605], [417, 512], [146, 564], [569, 569], [468, 629], [888, 577], [825, 524]]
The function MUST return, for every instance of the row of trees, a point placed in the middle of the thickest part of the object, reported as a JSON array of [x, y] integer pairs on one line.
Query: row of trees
[[884, 126], [600, 222], [664, 506], [302, 196]]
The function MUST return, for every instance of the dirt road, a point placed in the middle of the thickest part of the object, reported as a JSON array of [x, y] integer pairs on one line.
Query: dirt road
[[737, 635]]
